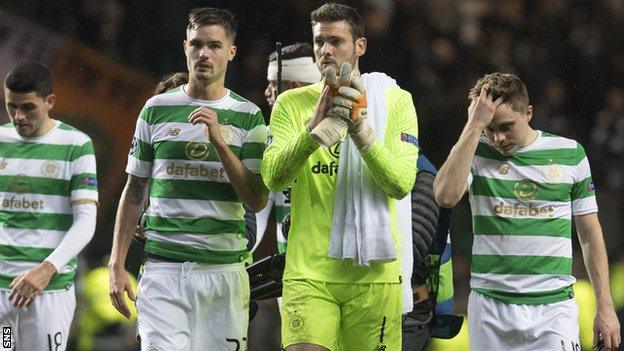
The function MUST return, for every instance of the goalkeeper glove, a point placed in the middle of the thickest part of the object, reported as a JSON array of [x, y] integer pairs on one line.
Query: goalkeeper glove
[[331, 129], [351, 106]]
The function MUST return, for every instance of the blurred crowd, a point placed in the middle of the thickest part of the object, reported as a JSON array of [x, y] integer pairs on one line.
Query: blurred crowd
[[567, 52]]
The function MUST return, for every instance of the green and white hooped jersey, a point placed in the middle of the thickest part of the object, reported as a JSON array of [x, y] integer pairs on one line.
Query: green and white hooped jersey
[[194, 214], [522, 208], [39, 179]]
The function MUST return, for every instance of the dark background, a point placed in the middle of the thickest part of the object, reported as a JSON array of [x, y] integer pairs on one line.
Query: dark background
[[569, 53]]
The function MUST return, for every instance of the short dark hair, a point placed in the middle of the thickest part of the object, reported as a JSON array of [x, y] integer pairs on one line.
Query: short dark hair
[[294, 51], [27, 77], [206, 16], [506, 85], [332, 12], [171, 81]]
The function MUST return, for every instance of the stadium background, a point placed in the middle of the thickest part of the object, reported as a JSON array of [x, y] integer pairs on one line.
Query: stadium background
[[107, 55]]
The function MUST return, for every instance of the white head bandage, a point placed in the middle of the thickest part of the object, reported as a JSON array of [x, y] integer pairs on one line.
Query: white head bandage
[[302, 69]]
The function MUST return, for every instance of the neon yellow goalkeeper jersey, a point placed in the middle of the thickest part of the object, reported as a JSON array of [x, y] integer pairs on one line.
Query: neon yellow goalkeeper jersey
[[294, 159]]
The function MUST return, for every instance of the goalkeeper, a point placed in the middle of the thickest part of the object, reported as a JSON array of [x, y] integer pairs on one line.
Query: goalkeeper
[[335, 297]]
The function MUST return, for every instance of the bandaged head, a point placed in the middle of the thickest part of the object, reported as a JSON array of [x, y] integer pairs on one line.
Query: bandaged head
[[301, 69]]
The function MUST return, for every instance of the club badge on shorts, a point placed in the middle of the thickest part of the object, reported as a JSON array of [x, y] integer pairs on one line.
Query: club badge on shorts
[[297, 322]]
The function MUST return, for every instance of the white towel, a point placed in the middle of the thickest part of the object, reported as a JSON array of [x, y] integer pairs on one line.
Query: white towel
[[361, 219], [404, 213]]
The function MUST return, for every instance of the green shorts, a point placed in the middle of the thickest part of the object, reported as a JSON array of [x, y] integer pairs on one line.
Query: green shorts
[[342, 316]]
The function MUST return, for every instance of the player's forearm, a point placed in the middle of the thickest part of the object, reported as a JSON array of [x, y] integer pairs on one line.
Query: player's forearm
[[393, 172], [393, 163], [77, 237], [247, 185], [450, 182], [131, 204], [262, 219], [285, 158], [595, 257], [598, 271]]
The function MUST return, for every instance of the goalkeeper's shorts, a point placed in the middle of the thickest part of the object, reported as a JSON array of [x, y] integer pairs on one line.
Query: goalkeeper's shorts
[[342, 316]]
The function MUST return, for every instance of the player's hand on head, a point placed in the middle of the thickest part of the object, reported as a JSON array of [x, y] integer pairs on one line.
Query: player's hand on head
[[119, 285], [26, 287], [210, 120], [481, 110], [606, 329]]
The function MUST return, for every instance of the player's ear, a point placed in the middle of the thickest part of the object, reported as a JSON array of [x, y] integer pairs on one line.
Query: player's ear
[[50, 100], [360, 46], [232, 52], [529, 113]]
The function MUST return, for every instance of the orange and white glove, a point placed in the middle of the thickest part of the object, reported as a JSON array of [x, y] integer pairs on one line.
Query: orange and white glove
[[328, 130], [350, 105]]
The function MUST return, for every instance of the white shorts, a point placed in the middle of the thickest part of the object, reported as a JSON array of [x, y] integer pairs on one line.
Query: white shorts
[[495, 325], [44, 325], [191, 306]]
